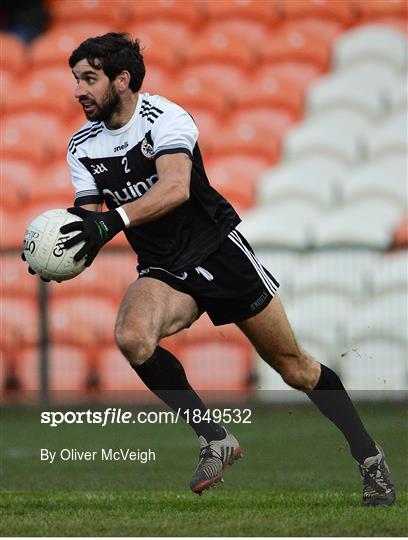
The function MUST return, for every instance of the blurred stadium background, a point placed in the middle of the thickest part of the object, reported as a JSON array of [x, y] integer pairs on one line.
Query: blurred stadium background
[[302, 112]]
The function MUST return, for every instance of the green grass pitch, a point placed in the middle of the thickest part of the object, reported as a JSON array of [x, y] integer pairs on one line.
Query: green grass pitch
[[296, 479]]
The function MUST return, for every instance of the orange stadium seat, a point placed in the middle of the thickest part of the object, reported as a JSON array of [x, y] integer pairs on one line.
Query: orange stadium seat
[[393, 12], [55, 46], [235, 177], [12, 228], [40, 128], [199, 93], [224, 47], [157, 50], [153, 10], [252, 124], [13, 55], [208, 124], [16, 281], [109, 275], [26, 368], [20, 323], [227, 77], [339, 11], [36, 208], [18, 180], [247, 139], [302, 47], [8, 380], [61, 77], [203, 330], [38, 92], [176, 33], [96, 11], [301, 74], [252, 33], [8, 83], [54, 185], [115, 373], [275, 93], [214, 357], [250, 10], [213, 365], [326, 29], [68, 368], [82, 320], [400, 236], [156, 80]]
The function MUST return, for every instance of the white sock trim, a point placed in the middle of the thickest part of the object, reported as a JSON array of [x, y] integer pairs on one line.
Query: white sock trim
[[123, 215]]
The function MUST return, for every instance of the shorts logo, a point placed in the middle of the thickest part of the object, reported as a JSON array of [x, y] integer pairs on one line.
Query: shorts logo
[[259, 301], [147, 149]]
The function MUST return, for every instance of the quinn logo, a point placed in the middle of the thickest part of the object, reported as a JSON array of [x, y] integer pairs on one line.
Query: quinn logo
[[147, 149], [131, 191]]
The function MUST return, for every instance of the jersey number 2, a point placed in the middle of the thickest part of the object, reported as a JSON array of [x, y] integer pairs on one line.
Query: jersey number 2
[[125, 163]]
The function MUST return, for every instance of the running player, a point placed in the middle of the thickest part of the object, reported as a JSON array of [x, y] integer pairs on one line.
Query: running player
[[138, 153]]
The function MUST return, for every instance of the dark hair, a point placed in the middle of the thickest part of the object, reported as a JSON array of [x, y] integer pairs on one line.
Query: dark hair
[[113, 53]]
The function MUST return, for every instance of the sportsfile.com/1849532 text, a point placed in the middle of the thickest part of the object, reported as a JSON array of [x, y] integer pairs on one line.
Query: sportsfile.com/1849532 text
[[112, 415]]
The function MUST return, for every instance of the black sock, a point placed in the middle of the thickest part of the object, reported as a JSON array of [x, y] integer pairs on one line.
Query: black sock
[[164, 375], [331, 398]]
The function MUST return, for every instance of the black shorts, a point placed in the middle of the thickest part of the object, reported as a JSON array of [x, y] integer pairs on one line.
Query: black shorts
[[231, 285]]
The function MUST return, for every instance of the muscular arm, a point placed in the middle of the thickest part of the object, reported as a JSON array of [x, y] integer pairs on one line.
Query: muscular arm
[[171, 190]]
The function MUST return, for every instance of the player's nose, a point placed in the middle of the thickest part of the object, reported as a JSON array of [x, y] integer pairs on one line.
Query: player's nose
[[80, 91]]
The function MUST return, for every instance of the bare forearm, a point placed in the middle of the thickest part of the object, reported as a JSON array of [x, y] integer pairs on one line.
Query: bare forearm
[[171, 190], [158, 201]]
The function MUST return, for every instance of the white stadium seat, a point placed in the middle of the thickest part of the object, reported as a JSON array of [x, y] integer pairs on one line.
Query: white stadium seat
[[320, 320], [391, 274], [383, 315], [331, 272], [287, 225], [317, 186], [361, 89], [398, 96], [375, 364], [379, 42], [385, 177], [390, 137], [308, 167], [283, 265], [338, 134], [367, 223]]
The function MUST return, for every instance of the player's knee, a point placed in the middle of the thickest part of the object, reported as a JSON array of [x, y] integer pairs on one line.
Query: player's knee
[[299, 371], [136, 346]]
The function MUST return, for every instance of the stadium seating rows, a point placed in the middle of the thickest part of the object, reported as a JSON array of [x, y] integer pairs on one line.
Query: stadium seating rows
[[324, 83], [334, 301]]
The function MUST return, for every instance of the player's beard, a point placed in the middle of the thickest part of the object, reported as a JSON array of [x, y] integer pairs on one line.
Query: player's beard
[[110, 105]]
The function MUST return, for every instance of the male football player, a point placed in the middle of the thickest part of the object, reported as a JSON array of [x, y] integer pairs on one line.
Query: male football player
[[138, 153]]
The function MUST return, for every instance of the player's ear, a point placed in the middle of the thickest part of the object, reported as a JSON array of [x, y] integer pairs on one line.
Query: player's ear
[[123, 80]]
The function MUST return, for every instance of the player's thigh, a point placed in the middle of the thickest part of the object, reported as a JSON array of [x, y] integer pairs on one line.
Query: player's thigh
[[271, 334], [151, 306]]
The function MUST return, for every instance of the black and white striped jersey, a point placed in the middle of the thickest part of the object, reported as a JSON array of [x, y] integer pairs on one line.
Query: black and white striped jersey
[[118, 166]]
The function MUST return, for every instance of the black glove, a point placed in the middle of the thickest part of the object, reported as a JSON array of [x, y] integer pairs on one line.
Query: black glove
[[32, 271], [97, 228]]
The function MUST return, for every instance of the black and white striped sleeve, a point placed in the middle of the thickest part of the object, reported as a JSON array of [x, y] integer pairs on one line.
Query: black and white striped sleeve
[[86, 190], [173, 132]]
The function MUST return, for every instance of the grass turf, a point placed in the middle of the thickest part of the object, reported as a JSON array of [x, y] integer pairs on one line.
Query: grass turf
[[296, 479]]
